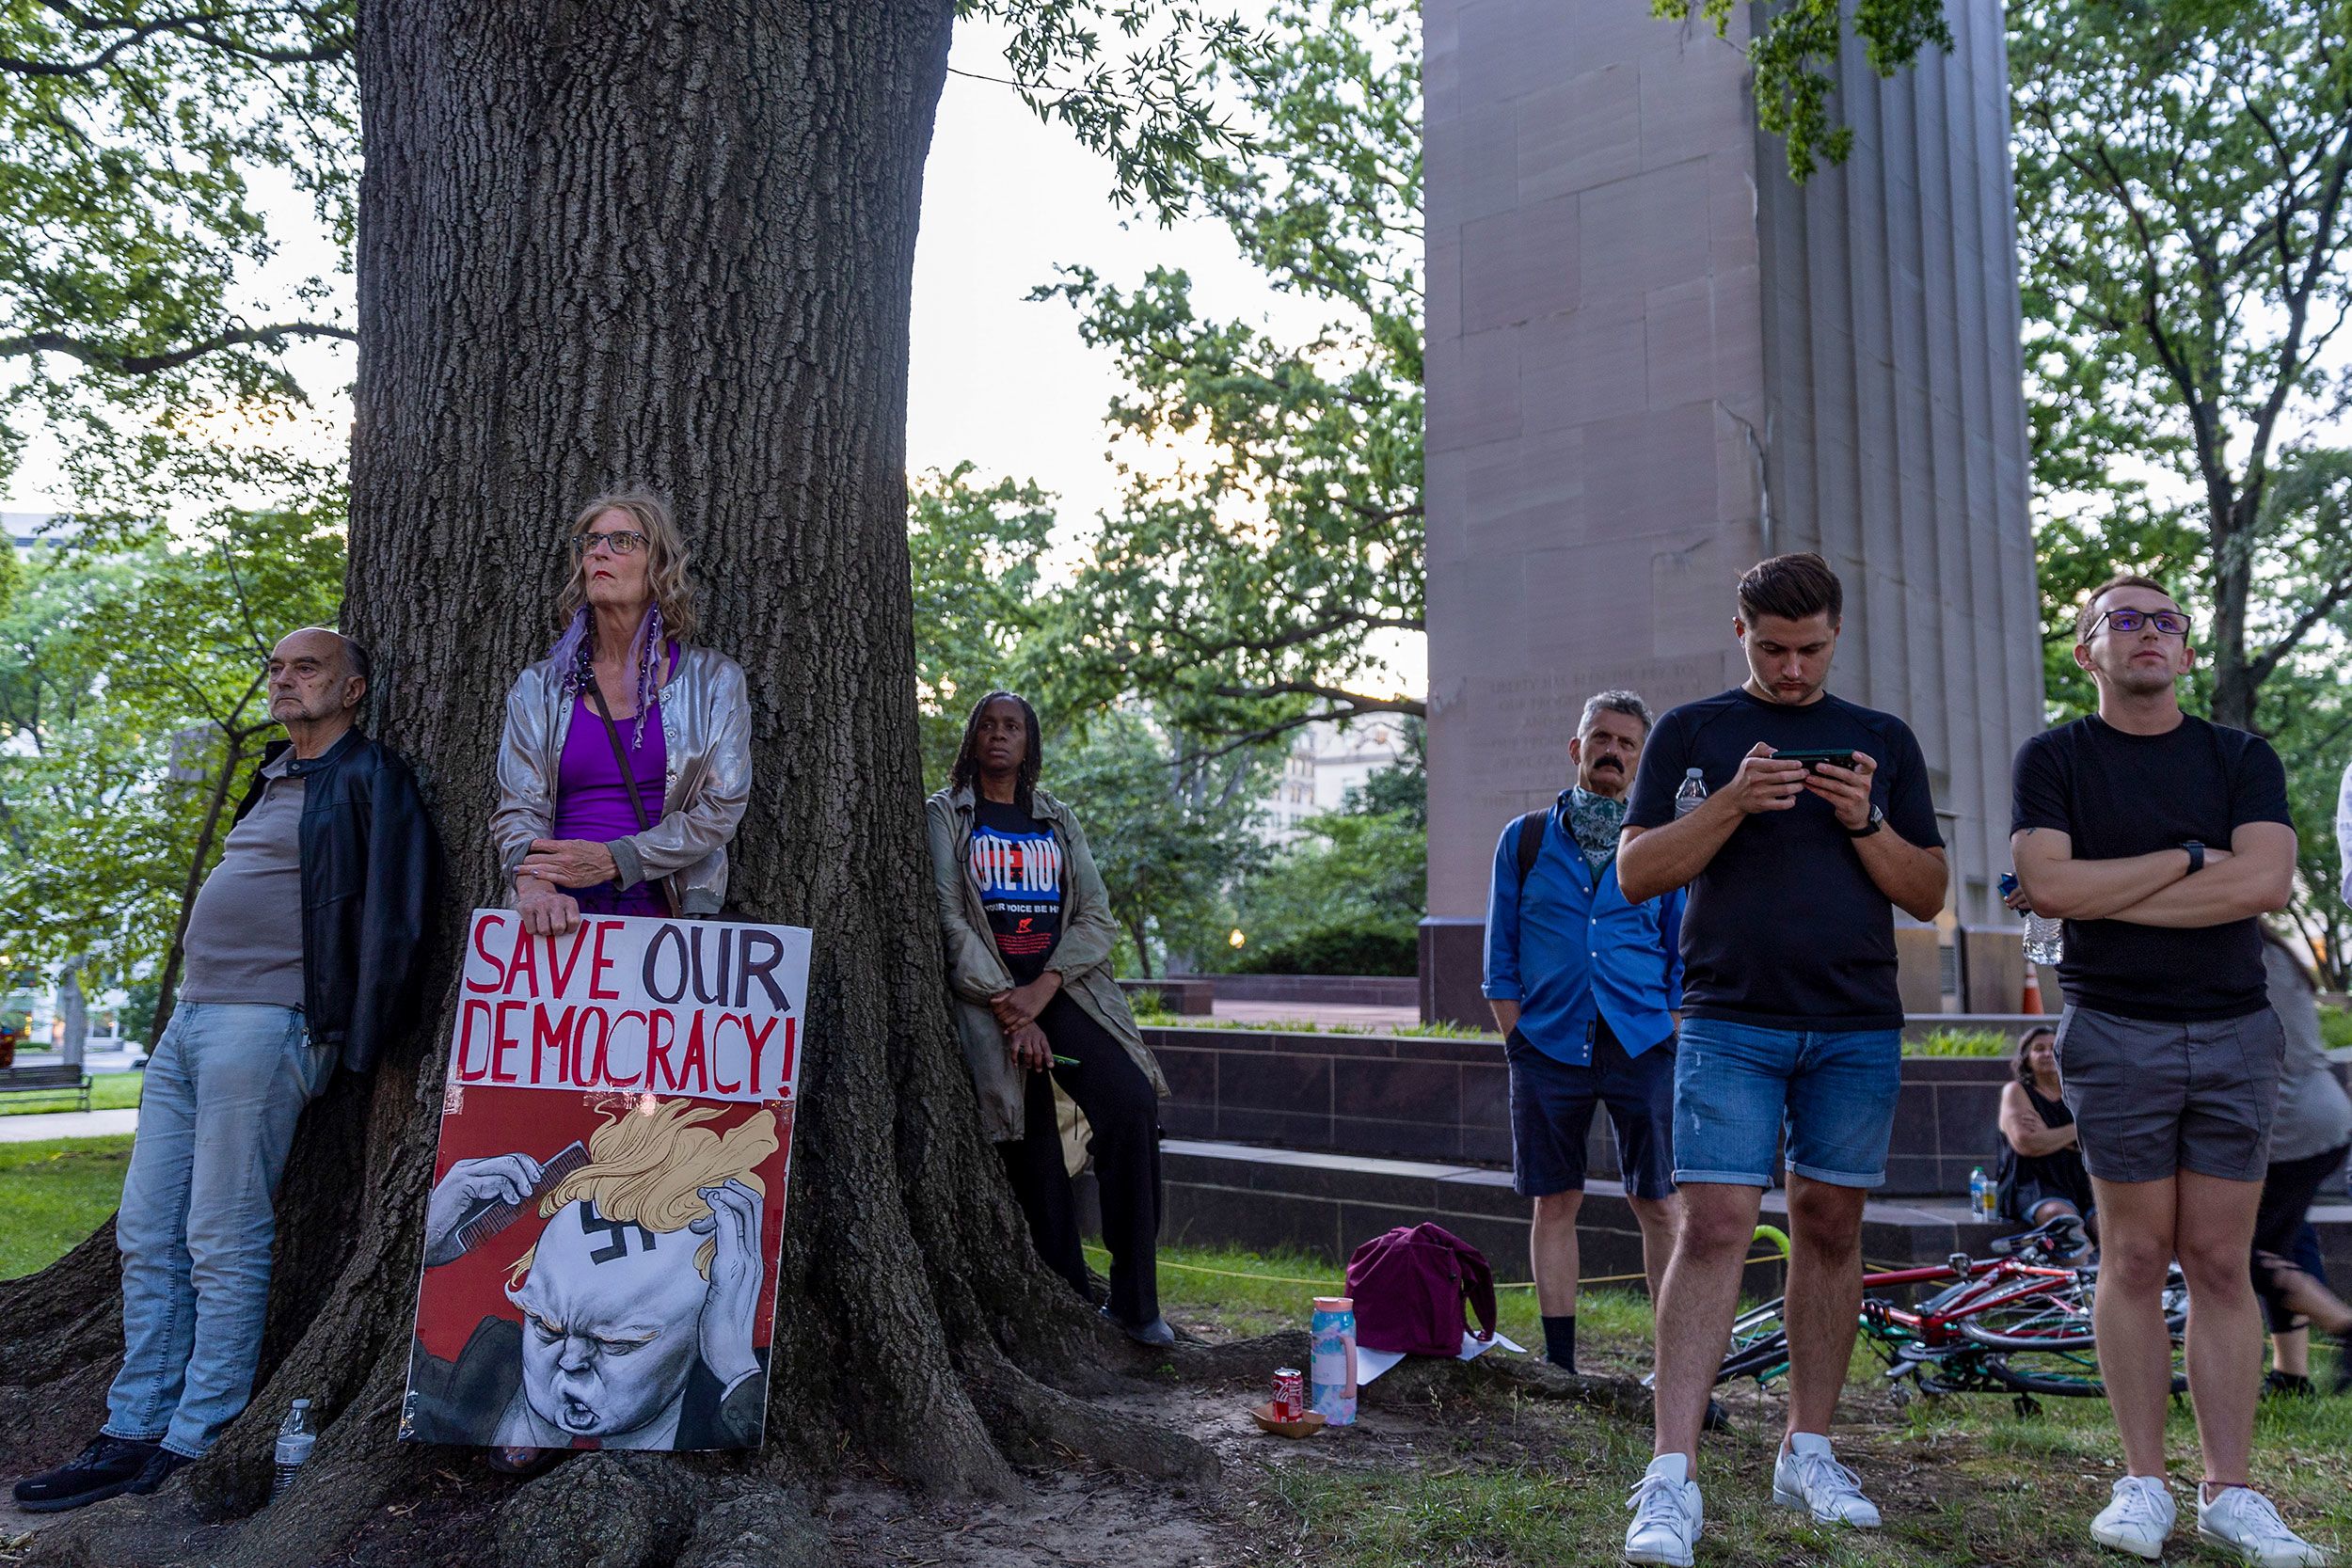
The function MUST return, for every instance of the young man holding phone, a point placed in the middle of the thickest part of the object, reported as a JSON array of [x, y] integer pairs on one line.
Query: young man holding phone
[[2161, 839], [1818, 824]]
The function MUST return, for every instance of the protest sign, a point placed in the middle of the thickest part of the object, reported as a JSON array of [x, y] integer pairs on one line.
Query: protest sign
[[607, 1210]]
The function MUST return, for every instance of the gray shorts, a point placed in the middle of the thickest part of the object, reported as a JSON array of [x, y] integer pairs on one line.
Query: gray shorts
[[2153, 1097]]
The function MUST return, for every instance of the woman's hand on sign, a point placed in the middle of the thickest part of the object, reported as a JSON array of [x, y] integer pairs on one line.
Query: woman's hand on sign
[[471, 1183], [569, 861], [731, 1308], [547, 911], [1028, 1048]]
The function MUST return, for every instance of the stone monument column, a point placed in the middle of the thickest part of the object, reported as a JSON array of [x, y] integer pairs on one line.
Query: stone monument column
[[1653, 360]]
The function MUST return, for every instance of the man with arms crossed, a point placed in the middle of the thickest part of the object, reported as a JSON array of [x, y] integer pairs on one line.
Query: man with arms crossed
[[1583, 986], [1791, 1018], [2160, 839]]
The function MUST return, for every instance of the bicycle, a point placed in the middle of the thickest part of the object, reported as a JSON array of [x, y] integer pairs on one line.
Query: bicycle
[[2018, 1322]]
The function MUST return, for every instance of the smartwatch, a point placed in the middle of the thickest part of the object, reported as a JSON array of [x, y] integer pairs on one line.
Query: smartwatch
[[1878, 817], [2195, 856]]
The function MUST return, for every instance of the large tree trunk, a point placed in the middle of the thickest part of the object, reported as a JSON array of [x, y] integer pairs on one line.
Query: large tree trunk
[[667, 242]]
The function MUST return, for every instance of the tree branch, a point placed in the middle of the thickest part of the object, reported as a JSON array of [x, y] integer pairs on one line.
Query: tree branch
[[98, 356], [2258, 669], [196, 26]]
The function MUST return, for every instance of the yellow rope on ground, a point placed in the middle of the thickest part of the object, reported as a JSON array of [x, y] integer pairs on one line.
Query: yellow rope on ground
[[1326, 1285]]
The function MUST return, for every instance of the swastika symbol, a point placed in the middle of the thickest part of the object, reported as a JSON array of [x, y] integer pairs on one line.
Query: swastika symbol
[[615, 1233]]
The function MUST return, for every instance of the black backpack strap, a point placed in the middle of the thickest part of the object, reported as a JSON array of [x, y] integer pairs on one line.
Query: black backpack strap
[[1531, 842]]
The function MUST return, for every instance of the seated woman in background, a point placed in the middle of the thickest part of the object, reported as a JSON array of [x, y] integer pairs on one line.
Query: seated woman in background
[[1030, 935], [2039, 1166]]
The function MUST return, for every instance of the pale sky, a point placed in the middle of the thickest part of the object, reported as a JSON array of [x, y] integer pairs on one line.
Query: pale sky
[[994, 379]]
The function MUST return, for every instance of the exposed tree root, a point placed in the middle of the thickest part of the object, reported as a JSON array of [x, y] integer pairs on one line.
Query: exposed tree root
[[65, 1317], [1027, 1414]]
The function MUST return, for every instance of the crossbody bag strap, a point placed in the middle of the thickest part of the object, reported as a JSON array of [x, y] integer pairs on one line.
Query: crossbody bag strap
[[628, 776]]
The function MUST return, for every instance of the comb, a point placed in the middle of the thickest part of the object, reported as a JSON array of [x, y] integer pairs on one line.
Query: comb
[[496, 1214]]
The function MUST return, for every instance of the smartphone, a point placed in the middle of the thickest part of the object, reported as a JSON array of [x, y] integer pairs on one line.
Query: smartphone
[[1836, 756]]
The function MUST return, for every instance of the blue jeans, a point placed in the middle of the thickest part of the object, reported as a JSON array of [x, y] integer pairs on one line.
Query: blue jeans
[[1739, 1088], [216, 1115]]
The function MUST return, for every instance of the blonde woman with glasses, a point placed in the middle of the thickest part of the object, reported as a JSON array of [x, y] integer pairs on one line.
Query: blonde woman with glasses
[[626, 761]]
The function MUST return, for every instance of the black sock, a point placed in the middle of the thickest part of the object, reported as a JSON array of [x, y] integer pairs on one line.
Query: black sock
[[1560, 1342]]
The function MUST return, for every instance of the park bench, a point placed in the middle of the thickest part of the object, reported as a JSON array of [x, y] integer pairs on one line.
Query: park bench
[[59, 1078]]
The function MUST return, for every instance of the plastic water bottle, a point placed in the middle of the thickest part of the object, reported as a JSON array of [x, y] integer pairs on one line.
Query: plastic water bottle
[[1980, 1196], [1691, 795], [294, 1442], [2045, 939], [1331, 1342]]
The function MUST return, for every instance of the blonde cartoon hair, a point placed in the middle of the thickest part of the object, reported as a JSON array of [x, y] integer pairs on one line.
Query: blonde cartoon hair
[[648, 1164]]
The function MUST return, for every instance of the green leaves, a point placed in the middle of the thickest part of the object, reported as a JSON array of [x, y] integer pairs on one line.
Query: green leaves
[[1143, 105], [1266, 556], [129, 239], [129, 681], [1795, 54]]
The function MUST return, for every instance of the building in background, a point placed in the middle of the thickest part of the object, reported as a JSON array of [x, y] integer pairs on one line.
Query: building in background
[[1325, 762], [1653, 360]]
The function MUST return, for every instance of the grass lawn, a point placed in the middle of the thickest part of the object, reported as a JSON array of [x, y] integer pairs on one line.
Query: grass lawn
[[54, 1194], [1487, 1479], [108, 1091]]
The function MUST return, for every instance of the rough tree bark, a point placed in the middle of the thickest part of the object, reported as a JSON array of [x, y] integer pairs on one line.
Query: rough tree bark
[[668, 242]]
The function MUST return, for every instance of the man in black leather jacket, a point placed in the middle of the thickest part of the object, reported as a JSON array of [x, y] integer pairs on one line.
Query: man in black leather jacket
[[304, 949]]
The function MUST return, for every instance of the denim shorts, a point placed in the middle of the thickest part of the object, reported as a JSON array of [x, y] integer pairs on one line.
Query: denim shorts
[[1737, 1088]]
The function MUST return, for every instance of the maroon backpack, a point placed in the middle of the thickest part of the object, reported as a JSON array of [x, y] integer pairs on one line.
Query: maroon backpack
[[1411, 1286]]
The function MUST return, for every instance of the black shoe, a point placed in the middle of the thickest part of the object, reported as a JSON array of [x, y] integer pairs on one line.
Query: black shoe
[[1156, 1333], [2276, 1383], [158, 1471], [107, 1467], [1716, 1420]]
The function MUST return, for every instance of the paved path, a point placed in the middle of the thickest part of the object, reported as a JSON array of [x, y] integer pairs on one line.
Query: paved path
[[37, 1125]]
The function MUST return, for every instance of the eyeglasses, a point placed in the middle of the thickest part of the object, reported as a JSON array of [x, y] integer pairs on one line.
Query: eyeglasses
[[2170, 622], [621, 540]]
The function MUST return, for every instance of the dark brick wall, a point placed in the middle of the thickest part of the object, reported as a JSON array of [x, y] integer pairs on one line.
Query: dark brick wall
[[1406, 1096]]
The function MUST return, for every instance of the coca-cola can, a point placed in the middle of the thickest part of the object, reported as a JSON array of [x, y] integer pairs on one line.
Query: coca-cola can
[[1290, 1393]]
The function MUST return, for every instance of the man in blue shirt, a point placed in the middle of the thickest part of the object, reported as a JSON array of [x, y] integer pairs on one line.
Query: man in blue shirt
[[1584, 986]]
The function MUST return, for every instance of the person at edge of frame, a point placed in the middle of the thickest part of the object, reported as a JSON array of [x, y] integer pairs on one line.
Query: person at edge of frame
[[2161, 840], [1583, 984], [1793, 1019], [304, 949]]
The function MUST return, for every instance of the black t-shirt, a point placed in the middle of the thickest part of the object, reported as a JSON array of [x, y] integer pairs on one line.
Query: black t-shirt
[[2115, 795], [1785, 928], [1017, 861]]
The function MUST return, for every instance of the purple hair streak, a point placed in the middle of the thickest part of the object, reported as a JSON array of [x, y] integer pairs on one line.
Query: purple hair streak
[[575, 651]]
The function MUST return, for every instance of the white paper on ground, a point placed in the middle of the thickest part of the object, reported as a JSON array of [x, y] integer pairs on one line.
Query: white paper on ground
[[1370, 1364]]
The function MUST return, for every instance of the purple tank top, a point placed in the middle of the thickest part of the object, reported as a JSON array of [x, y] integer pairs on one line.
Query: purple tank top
[[591, 800]]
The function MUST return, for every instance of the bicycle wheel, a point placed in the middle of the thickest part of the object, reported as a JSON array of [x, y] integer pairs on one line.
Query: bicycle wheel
[[2035, 1320], [2068, 1373], [1759, 1346]]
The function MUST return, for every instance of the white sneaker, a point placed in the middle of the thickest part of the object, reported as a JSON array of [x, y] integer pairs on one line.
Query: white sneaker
[[2242, 1520], [2138, 1517], [1667, 1514], [1807, 1476]]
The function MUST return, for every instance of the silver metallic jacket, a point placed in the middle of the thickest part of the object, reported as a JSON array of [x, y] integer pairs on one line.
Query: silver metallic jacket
[[707, 725]]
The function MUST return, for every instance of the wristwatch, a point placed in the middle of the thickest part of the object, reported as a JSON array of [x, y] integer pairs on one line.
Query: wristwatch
[[2195, 856], [1878, 817]]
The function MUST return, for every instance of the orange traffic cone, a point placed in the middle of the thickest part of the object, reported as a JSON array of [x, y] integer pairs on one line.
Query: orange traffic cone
[[2032, 1003]]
